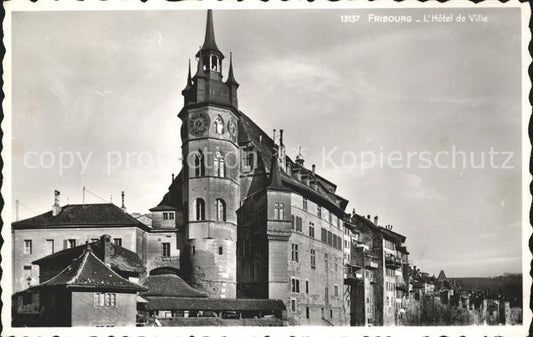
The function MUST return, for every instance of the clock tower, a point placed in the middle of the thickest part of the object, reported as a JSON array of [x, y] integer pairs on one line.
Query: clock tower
[[211, 165]]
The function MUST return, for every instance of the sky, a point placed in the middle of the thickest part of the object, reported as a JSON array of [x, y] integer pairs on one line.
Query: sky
[[96, 97]]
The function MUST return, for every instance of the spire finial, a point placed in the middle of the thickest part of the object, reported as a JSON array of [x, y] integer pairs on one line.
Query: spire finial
[[209, 41], [231, 77]]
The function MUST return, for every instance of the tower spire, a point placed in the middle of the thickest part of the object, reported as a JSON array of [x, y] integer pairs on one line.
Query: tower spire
[[231, 77], [275, 174], [209, 41], [189, 80]]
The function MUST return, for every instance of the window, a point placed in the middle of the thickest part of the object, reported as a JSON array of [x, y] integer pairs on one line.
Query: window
[[27, 271], [219, 165], [331, 314], [292, 221], [71, 243], [27, 246], [336, 266], [293, 305], [249, 160], [294, 252], [200, 209], [336, 290], [298, 224], [218, 124], [220, 210], [326, 293], [307, 286], [319, 211], [220, 250], [165, 249], [199, 165], [324, 235], [330, 238], [117, 241], [279, 212], [49, 247], [330, 217], [307, 312], [105, 299], [305, 204], [311, 229], [214, 63], [313, 259], [295, 285], [193, 250], [168, 216]]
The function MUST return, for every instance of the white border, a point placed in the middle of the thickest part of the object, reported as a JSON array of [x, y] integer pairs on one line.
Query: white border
[[64, 5]]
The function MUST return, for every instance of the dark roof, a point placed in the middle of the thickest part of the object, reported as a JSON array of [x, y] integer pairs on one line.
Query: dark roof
[[162, 208], [392, 235], [88, 272], [121, 258], [263, 143], [82, 215], [237, 304], [209, 41], [169, 285]]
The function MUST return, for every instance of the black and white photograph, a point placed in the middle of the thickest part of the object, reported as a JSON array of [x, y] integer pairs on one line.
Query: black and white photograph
[[284, 168]]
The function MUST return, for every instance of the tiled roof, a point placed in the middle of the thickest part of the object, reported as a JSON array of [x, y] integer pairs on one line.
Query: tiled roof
[[237, 304], [251, 132], [86, 215], [88, 272], [169, 285], [121, 258], [162, 208]]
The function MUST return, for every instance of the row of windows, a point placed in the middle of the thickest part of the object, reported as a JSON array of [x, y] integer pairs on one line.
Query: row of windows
[[219, 209], [68, 243], [105, 300], [319, 212], [218, 165], [389, 286], [295, 287], [331, 239], [294, 308], [168, 215]]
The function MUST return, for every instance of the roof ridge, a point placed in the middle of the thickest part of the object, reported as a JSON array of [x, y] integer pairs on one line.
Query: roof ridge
[[86, 254]]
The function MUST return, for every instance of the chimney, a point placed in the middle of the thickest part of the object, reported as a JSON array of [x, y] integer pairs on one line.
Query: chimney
[[300, 157], [172, 178], [56, 209], [313, 167], [353, 212], [281, 137], [368, 216], [106, 243], [376, 220], [274, 136], [124, 207]]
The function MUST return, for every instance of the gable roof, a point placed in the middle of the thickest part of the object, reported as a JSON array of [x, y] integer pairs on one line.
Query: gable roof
[[169, 285], [82, 215], [88, 272], [121, 258]]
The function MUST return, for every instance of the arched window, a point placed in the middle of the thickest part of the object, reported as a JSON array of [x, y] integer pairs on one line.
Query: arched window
[[200, 209], [199, 165], [219, 125], [220, 210], [219, 165], [214, 63], [205, 63]]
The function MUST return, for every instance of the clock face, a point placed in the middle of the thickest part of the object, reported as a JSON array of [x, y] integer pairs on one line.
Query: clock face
[[198, 124], [232, 128]]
